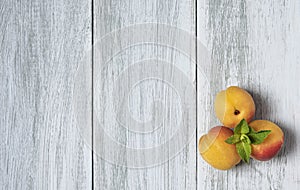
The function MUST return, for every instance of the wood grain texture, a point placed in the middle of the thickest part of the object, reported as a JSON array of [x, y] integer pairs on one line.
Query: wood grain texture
[[254, 45], [176, 173], [41, 44]]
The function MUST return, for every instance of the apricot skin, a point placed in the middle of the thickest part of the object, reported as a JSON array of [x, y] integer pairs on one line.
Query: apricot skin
[[271, 145], [215, 151], [232, 105]]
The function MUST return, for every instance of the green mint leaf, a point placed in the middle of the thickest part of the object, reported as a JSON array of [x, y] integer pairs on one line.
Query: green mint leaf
[[251, 131], [245, 139], [259, 137], [241, 127], [233, 139], [245, 127], [237, 129], [244, 151]]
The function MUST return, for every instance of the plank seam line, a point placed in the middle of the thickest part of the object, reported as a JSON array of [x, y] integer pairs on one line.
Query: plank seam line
[[92, 101], [196, 79]]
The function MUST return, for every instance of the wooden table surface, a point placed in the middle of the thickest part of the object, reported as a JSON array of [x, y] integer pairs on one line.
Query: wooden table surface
[[47, 94]]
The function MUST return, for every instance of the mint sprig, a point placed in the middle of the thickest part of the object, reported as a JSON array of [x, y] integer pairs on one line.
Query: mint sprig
[[244, 136], [244, 150], [258, 137]]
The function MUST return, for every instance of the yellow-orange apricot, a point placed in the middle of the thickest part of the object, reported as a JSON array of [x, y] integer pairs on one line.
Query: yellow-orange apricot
[[215, 151]]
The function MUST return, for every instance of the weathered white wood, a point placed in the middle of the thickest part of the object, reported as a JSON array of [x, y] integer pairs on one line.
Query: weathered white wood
[[176, 173], [254, 44], [41, 44]]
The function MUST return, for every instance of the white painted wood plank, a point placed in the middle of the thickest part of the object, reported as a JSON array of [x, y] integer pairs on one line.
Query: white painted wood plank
[[41, 44], [255, 45], [176, 173]]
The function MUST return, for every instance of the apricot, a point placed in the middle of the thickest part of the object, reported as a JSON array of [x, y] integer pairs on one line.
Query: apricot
[[271, 145], [232, 105], [215, 151]]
